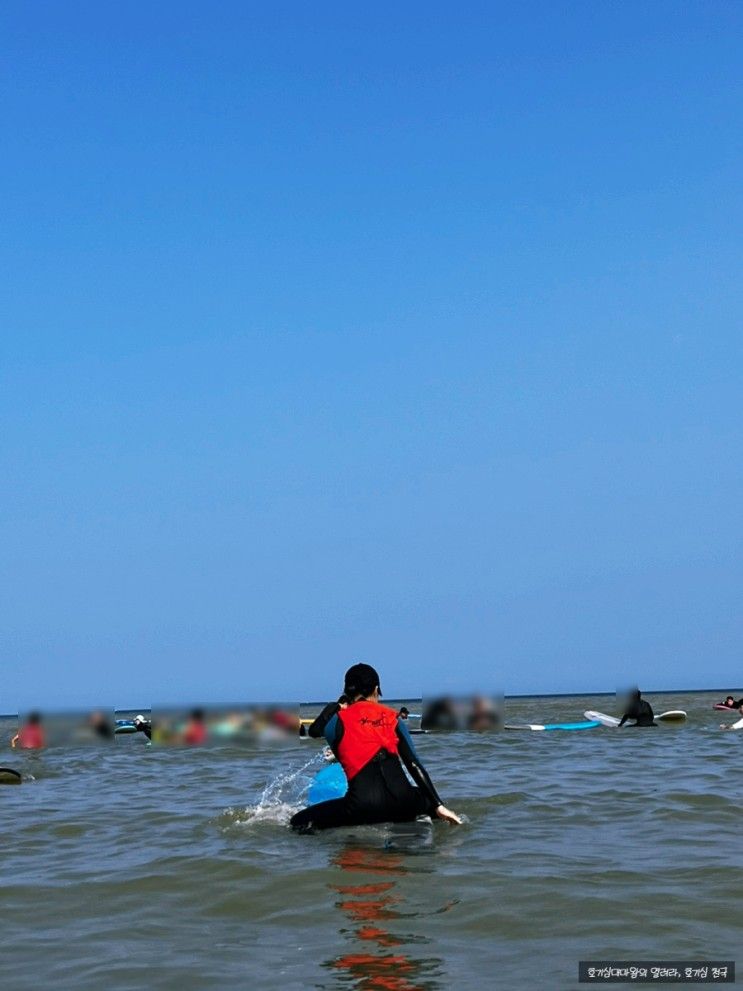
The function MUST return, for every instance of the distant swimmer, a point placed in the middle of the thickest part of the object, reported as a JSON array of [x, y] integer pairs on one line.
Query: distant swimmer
[[101, 726], [143, 725], [440, 714], [195, 733], [739, 723], [729, 703], [639, 710], [31, 735], [370, 742], [483, 716], [403, 712]]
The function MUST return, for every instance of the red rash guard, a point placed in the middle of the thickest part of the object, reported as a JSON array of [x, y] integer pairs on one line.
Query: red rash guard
[[367, 728], [195, 734], [31, 737]]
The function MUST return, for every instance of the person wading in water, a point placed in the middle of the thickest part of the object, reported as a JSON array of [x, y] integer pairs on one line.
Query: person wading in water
[[370, 742]]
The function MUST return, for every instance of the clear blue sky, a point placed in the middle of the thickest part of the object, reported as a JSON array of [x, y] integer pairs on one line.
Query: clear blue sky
[[401, 333]]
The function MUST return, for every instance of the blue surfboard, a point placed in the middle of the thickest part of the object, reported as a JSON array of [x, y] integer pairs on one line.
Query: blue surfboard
[[584, 724], [330, 782]]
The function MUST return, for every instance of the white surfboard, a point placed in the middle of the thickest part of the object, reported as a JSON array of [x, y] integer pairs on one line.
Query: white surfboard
[[602, 718], [672, 716]]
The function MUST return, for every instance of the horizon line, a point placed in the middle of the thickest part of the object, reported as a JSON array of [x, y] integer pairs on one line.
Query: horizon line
[[403, 698]]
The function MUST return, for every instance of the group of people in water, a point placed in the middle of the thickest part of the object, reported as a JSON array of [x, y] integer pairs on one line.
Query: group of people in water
[[192, 729], [32, 735]]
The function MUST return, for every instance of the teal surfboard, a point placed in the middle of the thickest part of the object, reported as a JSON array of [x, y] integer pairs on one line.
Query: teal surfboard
[[584, 724]]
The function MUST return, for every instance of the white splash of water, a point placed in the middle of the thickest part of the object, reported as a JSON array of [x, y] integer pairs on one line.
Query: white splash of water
[[281, 797]]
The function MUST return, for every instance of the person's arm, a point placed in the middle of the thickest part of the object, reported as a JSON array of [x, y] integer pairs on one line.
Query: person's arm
[[631, 713], [334, 730], [317, 729], [14, 741], [420, 775]]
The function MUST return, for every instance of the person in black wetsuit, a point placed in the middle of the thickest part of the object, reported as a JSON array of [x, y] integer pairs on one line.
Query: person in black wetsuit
[[101, 726], [370, 741], [639, 710], [143, 726], [440, 715]]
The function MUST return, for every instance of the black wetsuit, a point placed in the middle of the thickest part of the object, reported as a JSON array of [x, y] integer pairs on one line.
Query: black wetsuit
[[440, 715], [641, 711], [380, 792]]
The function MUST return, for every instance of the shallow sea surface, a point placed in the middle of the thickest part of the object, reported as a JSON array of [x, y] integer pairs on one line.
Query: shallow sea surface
[[127, 867]]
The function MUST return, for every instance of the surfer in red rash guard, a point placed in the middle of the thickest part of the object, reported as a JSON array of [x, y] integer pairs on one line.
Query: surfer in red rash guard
[[31, 736], [195, 733], [370, 742]]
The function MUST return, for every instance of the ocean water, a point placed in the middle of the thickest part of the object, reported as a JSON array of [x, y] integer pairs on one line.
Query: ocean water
[[128, 867]]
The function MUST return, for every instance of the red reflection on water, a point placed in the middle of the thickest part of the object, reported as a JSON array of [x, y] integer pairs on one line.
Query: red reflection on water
[[368, 906], [374, 935], [387, 972]]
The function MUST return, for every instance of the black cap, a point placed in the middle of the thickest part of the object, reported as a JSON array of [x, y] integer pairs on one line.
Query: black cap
[[361, 679]]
